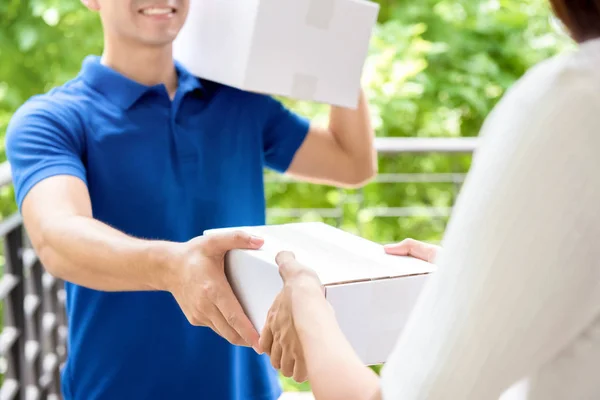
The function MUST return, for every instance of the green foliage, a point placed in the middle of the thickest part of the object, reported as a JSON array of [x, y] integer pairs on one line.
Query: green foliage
[[42, 44], [435, 69], [7, 205]]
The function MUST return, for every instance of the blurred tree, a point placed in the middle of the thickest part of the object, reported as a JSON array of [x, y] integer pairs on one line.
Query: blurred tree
[[42, 45], [436, 69]]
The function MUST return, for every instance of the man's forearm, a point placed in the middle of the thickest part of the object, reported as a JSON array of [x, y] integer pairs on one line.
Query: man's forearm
[[353, 132], [89, 253], [334, 369]]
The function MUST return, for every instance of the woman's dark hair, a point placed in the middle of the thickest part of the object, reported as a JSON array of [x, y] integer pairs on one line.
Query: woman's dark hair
[[581, 17]]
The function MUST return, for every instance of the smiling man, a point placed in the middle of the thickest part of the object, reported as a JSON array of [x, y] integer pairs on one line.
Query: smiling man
[[119, 171]]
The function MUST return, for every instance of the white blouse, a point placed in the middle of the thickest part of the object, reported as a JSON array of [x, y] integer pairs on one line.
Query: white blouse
[[514, 309]]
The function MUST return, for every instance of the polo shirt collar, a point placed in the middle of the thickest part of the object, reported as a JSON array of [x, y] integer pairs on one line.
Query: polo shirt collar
[[124, 91]]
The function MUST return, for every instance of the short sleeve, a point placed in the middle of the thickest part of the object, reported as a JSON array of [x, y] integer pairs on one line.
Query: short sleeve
[[43, 139], [283, 134]]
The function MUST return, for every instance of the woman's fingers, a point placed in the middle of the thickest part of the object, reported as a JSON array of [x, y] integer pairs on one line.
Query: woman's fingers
[[414, 248], [300, 373], [287, 364], [266, 340], [276, 353]]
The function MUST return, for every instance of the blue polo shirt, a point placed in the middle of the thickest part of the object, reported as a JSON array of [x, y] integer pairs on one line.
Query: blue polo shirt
[[156, 169]]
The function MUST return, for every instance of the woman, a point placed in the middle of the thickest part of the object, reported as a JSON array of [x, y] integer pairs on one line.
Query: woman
[[517, 295]]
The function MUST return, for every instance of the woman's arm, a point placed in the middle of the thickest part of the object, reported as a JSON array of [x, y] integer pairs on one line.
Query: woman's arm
[[518, 280], [334, 370], [328, 354], [304, 341], [309, 343]]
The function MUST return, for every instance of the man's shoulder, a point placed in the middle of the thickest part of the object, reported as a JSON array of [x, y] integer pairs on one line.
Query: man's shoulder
[[63, 105], [58, 114]]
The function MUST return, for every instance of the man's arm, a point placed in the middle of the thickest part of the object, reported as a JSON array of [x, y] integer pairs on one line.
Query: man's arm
[[74, 246], [45, 148], [342, 154]]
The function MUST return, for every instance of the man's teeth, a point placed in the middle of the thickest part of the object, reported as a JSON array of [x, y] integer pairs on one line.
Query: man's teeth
[[157, 11]]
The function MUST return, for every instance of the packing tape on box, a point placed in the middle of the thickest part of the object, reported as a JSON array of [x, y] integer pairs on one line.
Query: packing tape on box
[[304, 86], [320, 13]]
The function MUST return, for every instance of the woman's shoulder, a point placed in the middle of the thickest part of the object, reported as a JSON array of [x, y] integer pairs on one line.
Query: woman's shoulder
[[558, 97], [544, 129], [567, 79]]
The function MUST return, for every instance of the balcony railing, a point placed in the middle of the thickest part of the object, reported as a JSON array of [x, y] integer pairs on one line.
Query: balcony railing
[[362, 210], [33, 343], [33, 338]]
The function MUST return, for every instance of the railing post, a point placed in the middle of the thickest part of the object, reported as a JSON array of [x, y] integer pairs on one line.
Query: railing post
[[62, 330], [36, 335], [51, 329], [14, 312]]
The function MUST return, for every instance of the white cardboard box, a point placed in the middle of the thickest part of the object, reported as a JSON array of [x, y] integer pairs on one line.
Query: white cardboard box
[[371, 292], [305, 49]]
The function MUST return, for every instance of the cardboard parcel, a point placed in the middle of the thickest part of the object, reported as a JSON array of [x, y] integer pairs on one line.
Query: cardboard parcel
[[371, 292], [311, 50]]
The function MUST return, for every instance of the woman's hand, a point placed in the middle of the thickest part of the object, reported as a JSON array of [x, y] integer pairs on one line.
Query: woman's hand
[[279, 338], [414, 248]]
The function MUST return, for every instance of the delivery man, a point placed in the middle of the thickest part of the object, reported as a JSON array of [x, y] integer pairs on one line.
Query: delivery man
[[119, 171]]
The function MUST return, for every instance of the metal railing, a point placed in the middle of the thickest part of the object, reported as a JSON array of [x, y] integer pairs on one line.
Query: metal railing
[[33, 338], [395, 148]]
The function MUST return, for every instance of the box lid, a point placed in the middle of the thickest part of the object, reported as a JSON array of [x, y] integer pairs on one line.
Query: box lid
[[338, 257]]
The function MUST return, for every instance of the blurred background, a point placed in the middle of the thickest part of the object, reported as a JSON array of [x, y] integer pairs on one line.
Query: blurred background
[[435, 70]]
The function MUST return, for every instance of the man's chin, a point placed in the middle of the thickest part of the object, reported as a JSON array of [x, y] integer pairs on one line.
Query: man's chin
[[162, 41], [158, 39]]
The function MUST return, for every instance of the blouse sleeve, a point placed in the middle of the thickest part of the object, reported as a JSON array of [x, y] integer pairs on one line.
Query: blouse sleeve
[[519, 278]]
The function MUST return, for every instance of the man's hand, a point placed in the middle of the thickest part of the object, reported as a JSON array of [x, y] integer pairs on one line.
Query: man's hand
[[197, 281], [410, 247], [279, 338]]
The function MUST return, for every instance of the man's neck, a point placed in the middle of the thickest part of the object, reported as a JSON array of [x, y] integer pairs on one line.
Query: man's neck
[[147, 66]]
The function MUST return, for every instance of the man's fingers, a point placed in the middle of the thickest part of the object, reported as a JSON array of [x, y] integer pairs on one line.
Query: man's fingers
[[214, 329], [410, 247], [208, 321], [276, 352], [224, 330], [235, 317], [221, 243]]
